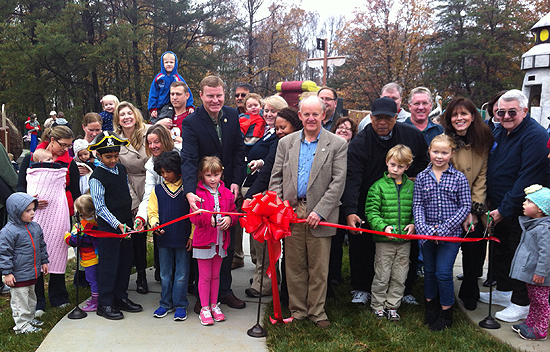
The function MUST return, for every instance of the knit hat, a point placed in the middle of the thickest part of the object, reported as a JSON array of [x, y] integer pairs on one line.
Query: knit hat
[[540, 196], [78, 145]]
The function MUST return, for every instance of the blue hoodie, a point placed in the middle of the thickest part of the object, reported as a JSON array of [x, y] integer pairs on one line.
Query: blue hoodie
[[22, 246], [159, 94]]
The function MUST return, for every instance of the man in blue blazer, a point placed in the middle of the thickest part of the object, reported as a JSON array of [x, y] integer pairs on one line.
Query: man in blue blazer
[[213, 130]]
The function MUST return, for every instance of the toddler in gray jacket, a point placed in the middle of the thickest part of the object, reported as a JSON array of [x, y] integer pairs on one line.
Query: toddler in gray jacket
[[22, 256], [531, 262]]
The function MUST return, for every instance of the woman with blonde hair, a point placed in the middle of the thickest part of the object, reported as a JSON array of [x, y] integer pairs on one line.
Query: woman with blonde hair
[[128, 123]]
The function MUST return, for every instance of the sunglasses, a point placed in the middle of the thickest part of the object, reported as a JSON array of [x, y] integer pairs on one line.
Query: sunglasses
[[511, 113], [240, 95]]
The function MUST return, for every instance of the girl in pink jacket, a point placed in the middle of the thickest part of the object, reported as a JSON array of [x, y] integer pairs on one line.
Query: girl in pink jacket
[[211, 236]]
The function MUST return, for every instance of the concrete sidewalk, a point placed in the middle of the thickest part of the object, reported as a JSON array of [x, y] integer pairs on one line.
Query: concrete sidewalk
[[505, 333], [142, 332]]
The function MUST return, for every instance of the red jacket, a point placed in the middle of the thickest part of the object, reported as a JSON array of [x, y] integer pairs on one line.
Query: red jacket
[[29, 127], [205, 234]]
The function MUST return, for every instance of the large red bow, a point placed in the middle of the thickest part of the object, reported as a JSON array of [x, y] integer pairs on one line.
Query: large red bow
[[268, 219]]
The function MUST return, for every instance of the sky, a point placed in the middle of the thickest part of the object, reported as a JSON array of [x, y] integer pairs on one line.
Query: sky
[[325, 8]]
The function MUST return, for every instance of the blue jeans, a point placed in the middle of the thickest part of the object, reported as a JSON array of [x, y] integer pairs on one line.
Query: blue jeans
[[174, 273], [439, 260]]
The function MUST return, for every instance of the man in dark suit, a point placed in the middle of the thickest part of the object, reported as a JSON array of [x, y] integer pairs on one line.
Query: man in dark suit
[[213, 130], [310, 172]]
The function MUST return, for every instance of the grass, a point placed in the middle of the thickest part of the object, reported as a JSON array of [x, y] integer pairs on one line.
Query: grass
[[357, 329], [30, 342]]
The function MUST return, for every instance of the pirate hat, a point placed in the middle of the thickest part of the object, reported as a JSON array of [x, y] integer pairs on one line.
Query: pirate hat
[[107, 139]]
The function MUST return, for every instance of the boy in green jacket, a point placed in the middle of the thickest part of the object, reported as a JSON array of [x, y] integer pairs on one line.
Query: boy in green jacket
[[389, 209]]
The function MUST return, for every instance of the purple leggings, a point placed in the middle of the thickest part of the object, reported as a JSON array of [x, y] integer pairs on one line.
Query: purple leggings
[[209, 280], [91, 277], [539, 310]]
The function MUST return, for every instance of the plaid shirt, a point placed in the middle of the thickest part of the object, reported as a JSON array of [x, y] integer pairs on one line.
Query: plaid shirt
[[444, 204]]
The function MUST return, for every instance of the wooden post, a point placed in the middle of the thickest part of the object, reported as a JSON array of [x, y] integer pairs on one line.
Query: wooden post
[[325, 63], [5, 137]]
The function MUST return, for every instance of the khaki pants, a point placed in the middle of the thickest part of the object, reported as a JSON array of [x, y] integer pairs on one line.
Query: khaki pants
[[23, 305], [307, 259], [391, 265]]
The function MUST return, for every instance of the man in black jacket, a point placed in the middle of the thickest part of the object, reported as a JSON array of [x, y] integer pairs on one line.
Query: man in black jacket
[[366, 164], [213, 130]]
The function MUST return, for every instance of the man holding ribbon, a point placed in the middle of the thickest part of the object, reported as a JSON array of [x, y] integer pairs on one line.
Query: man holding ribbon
[[310, 173], [213, 130]]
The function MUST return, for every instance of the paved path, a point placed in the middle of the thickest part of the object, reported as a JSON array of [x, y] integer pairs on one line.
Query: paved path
[[505, 333], [142, 332]]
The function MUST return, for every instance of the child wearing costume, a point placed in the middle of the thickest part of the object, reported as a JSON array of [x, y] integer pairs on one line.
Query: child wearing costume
[[211, 237], [531, 262], [167, 201], [84, 205], [22, 256], [113, 204], [389, 209]]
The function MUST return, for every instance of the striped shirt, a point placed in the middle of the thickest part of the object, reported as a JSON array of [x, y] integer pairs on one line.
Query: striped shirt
[[439, 208], [97, 191]]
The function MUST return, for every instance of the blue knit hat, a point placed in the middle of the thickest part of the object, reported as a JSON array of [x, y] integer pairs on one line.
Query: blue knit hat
[[540, 196]]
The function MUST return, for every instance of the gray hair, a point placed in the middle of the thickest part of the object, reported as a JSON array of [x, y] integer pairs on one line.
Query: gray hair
[[314, 98], [392, 86], [514, 94], [420, 90]]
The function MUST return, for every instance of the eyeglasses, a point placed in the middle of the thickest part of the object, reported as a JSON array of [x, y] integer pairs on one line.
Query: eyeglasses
[[511, 113], [326, 99], [343, 128], [63, 145], [240, 95]]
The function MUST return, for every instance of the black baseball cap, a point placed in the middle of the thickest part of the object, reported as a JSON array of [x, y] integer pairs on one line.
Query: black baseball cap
[[384, 106]]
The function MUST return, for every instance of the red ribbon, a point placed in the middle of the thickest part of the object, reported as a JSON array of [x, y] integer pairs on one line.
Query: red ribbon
[[268, 219]]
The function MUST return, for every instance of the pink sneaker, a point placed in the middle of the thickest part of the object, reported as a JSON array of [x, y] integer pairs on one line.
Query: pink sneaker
[[91, 305], [217, 313], [206, 317]]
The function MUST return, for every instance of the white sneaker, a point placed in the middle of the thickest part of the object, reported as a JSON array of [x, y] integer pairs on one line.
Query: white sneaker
[[360, 297], [501, 298], [39, 313], [513, 313], [27, 329], [409, 299]]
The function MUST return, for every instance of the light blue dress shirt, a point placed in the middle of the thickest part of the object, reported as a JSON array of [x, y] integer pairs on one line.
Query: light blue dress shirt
[[307, 153]]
